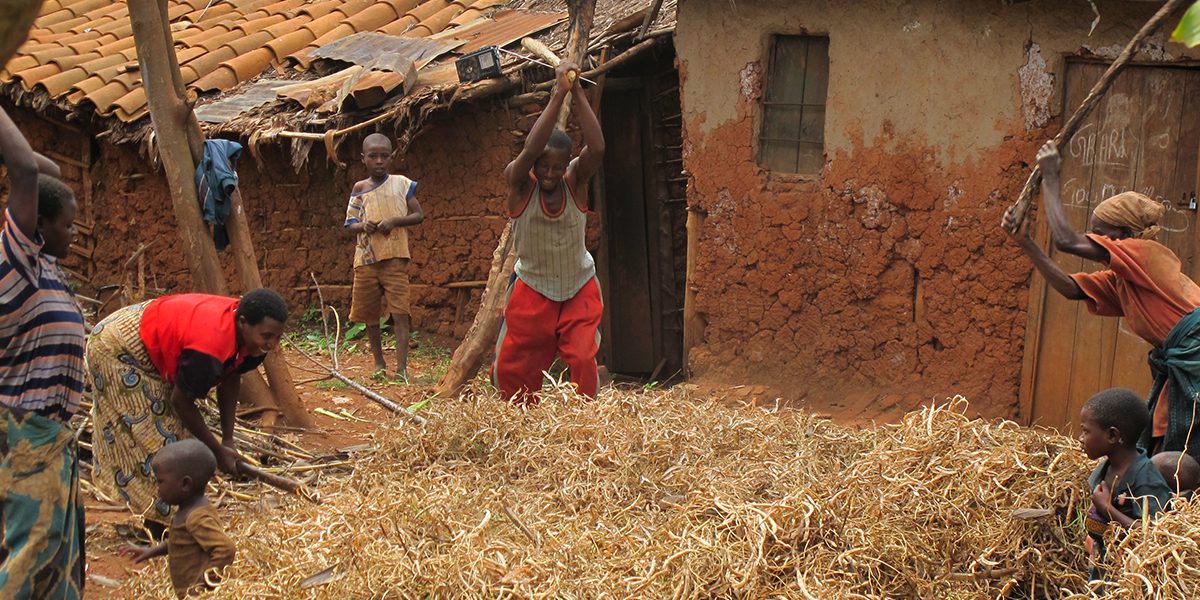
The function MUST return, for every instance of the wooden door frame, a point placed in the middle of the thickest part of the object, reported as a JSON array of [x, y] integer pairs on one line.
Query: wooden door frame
[[1037, 288]]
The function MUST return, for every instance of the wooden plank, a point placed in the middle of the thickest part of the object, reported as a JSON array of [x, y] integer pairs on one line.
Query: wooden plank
[[654, 216], [1114, 157], [1051, 386], [1186, 160], [1191, 154], [1159, 152], [629, 294], [1158, 111]]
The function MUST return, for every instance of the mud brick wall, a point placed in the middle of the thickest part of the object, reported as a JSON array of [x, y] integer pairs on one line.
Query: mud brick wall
[[296, 218], [884, 277]]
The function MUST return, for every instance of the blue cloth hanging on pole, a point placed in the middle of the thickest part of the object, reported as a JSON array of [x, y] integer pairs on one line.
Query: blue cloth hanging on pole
[[216, 181]]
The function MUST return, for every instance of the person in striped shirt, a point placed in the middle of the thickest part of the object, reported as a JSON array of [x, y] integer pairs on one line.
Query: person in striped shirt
[[41, 382], [554, 304]]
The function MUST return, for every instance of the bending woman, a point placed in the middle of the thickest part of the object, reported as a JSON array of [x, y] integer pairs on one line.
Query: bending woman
[[41, 382], [1143, 283], [151, 362]]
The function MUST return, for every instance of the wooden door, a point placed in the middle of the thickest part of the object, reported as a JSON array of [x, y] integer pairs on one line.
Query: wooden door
[[633, 327], [1144, 136]]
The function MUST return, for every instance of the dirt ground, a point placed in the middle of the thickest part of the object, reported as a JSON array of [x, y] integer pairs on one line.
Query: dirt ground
[[109, 526]]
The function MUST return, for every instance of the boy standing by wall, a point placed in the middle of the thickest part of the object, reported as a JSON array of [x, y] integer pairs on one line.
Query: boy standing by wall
[[381, 207], [554, 304]]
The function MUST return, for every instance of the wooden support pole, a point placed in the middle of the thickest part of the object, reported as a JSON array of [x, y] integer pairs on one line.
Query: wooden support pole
[[650, 16], [693, 325], [16, 17], [180, 145], [469, 355], [282, 389]]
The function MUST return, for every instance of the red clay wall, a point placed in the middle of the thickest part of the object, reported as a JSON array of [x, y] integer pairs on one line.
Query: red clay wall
[[296, 218], [884, 280]]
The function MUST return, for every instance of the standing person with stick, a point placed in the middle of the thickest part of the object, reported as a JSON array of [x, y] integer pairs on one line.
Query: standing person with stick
[[41, 382], [554, 304], [1143, 283]]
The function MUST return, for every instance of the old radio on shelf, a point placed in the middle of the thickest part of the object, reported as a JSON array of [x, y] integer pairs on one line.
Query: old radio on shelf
[[483, 63]]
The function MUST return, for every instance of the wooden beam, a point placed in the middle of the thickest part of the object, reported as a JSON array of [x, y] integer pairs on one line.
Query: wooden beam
[[693, 325], [650, 16], [283, 388], [480, 338]]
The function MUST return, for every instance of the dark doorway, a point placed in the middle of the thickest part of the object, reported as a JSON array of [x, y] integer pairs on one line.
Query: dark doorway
[[643, 205]]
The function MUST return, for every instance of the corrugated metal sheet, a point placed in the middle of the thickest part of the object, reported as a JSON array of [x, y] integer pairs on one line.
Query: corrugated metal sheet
[[501, 29], [251, 96], [385, 52]]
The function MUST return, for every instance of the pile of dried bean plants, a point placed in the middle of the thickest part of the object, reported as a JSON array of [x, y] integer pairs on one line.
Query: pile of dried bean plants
[[664, 495], [1159, 561]]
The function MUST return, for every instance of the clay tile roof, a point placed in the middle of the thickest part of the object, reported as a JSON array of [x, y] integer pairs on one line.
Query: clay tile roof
[[81, 51]]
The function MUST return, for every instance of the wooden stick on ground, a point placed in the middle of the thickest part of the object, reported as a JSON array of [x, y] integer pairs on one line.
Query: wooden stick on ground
[[290, 486], [1020, 209], [364, 390]]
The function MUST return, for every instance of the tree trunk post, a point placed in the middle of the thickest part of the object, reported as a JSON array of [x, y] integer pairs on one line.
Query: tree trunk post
[[169, 114], [286, 399], [469, 355]]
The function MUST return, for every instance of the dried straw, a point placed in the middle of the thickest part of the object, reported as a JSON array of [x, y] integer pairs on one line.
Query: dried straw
[[1160, 560], [665, 495]]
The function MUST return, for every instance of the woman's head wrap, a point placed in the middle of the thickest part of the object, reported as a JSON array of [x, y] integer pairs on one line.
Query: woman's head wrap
[[1136, 212]]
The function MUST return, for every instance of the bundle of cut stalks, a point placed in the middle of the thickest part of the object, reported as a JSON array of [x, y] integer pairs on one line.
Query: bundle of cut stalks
[[664, 495]]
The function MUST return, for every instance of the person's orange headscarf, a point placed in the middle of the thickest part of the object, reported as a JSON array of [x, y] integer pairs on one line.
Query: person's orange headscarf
[[1137, 212]]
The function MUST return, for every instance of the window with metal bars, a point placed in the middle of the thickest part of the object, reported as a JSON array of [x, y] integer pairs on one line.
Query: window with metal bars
[[792, 137]]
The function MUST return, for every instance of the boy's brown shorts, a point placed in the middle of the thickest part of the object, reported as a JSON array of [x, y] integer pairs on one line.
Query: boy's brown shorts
[[383, 282]]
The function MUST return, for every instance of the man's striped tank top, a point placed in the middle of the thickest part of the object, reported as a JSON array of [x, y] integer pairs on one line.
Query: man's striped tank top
[[551, 255]]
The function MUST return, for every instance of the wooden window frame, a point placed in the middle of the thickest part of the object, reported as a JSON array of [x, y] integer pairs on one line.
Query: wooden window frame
[[766, 103]]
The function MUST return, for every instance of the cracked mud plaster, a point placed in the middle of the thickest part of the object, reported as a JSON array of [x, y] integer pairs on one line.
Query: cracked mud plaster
[[888, 274], [1037, 85]]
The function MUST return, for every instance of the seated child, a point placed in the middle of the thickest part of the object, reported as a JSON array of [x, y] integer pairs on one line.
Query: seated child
[[196, 542], [1110, 424], [1181, 471]]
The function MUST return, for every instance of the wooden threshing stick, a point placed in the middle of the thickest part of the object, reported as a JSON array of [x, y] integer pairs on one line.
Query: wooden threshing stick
[[290, 486], [364, 390], [1020, 209]]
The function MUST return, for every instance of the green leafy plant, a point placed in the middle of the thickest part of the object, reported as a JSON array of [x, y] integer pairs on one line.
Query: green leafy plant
[[332, 384], [1188, 30], [355, 330]]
